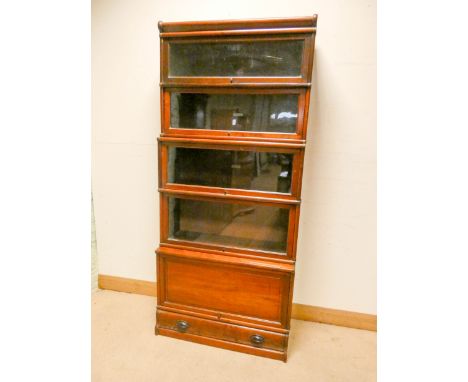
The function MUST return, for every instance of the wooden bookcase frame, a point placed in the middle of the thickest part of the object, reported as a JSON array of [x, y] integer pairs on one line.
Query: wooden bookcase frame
[[197, 320]]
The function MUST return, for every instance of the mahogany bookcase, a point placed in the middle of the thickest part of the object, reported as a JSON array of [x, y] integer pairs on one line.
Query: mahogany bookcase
[[234, 109]]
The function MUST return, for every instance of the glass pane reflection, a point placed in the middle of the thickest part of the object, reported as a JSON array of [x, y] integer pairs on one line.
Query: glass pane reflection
[[250, 226], [248, 170], [237, 112], [243, 59]]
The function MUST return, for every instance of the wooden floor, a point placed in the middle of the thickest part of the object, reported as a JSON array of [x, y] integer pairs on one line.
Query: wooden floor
[[126, 349]]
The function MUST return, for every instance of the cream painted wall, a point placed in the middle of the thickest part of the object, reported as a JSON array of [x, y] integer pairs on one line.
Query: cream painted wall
[[336, 265]]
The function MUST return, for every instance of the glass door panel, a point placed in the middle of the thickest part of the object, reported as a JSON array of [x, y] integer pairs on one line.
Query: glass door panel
[[276, 113], [247, 170], [274, 58], [249, 226]]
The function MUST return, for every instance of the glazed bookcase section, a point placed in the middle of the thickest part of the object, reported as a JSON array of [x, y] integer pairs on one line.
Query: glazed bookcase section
[[238, 54], [241, 113], [237, 57], [230, 225], [262, 172]]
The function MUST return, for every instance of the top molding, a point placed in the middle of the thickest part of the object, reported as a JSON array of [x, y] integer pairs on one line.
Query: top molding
[[285, 24]]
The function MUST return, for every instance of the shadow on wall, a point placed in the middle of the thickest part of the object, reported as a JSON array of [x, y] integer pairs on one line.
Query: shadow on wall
[[94, 265]]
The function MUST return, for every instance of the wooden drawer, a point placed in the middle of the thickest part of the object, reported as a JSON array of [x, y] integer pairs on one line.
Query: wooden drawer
[[187, 327], [235, 293]]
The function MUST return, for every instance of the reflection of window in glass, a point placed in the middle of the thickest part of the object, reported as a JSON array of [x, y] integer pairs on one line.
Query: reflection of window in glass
[[248, 170], [257, 59], [238, 112], [250, 226]]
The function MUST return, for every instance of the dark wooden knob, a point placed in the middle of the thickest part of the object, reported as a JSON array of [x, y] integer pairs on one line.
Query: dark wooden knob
[[257, 340], [182, 326]]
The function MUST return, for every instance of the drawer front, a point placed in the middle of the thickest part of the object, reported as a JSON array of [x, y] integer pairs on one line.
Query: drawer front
[[222, 331], [225, 291]]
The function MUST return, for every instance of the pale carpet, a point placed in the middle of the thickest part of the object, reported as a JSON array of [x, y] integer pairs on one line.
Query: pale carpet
[[124, 348]]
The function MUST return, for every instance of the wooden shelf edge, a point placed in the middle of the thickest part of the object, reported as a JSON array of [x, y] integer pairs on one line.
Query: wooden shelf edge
[[219, 25], [239, 32], [209, 195], [303, 312], [241, 83], [256, 255], [233, 141], [195, 255]]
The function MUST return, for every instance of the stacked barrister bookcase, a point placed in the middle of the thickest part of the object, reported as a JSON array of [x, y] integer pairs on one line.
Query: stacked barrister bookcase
[[234, 109]]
